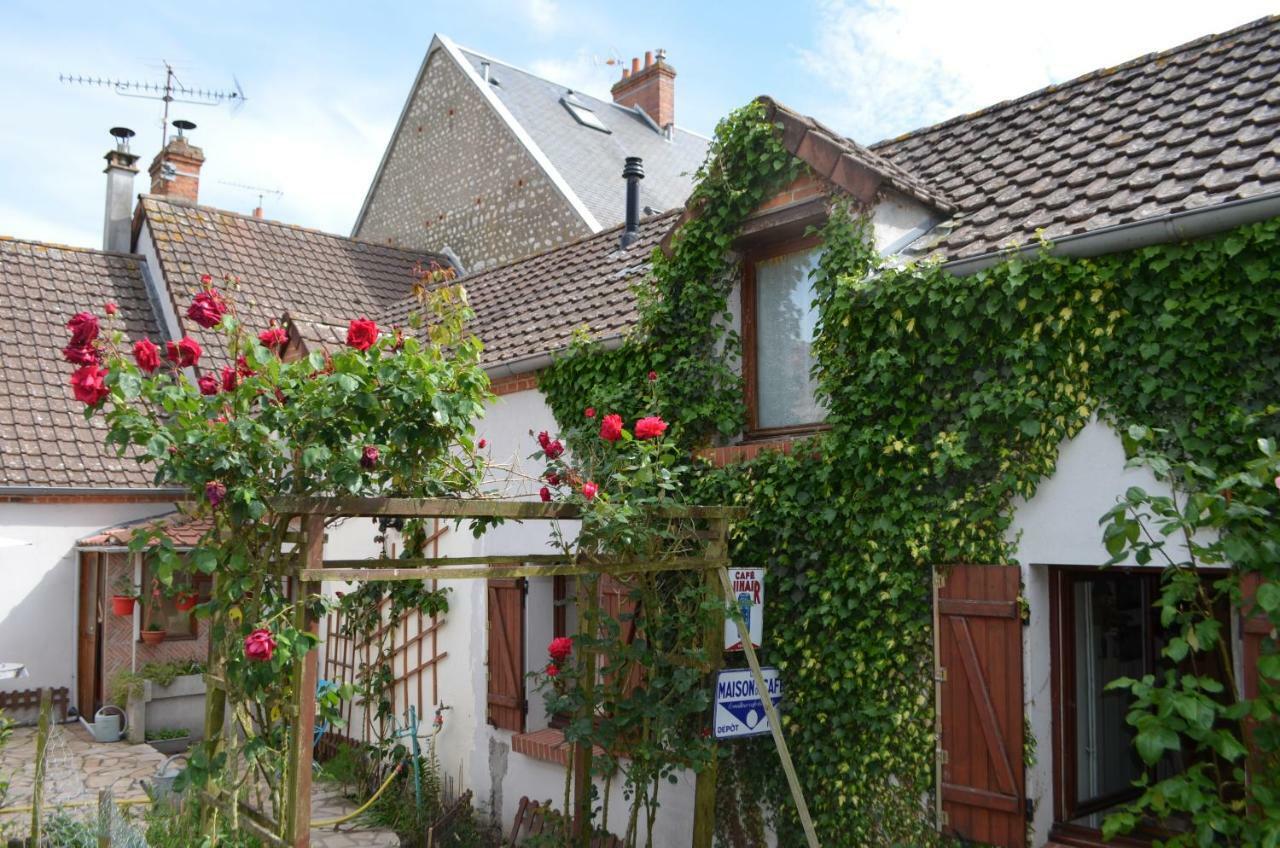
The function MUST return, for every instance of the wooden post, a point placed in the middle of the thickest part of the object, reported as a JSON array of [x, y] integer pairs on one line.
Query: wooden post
[[215, 708], [297, 801], [42, 749], [704, 793], [104, 818], [588, 600], [775, 723]]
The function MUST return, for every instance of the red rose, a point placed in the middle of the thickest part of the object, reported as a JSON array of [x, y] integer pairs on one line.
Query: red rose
[[206, 278], [589, 490], [242, 367], [147, 355], [544, 439], [369, 457], [611, 428], [650, 428], [184, 352], [560, 648], [590, 412], [259, 645], [207, 309], [87, 355], [545, 494], [84, 328], [552, 670], [89, 384], [362, 334], [208, 384], [653, 376], [215, 491], [230, 379], [553, 478], [111, 307], [554, 450], [274, 339], [482, 444]]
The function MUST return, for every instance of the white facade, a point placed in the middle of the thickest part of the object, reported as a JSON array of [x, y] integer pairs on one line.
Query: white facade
[[39, 584]]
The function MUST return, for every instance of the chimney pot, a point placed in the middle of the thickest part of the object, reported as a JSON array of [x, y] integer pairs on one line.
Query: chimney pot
[[117, 224], [626, 73], [635, 64], [257, 212], [648, 58]]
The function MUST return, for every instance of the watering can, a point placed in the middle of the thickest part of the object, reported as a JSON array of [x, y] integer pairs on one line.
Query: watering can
[[107, 726], [162, 781]]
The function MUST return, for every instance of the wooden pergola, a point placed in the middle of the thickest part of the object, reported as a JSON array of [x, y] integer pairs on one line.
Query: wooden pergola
[[310, 569]]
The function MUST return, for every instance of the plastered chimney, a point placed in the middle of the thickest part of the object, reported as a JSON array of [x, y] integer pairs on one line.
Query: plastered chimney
[[651, 87], [175, 172], [122, 167]]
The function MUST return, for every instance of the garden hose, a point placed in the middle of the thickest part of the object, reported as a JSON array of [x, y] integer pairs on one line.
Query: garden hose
[[349, 816]]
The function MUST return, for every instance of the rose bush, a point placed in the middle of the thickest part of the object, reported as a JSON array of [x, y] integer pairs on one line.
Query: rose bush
[[390, 414]]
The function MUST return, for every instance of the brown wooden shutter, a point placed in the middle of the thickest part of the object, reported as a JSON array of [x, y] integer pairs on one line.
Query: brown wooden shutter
[[979, 656], [506, 654], [1255, 629], [616, 602]]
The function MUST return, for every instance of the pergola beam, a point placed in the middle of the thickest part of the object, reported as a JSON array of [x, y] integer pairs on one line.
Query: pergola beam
[[469, 508], [507, 572]]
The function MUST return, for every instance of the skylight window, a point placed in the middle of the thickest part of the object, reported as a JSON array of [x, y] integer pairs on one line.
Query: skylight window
[[582, 113]]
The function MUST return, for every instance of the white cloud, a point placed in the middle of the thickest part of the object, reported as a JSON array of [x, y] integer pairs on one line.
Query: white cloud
[[543, 14], [582, 71], [894, 65]]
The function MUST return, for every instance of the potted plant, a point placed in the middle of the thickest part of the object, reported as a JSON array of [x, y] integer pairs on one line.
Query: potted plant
[[169, 740], [124, 595], [153, 633], [185, 601]]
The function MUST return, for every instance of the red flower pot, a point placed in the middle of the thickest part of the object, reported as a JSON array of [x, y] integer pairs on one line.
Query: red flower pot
[[186, 602], [153, 637], [122, 604]]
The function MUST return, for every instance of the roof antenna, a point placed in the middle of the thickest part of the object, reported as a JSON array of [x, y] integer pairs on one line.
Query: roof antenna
[[258, 190], [171, 90]]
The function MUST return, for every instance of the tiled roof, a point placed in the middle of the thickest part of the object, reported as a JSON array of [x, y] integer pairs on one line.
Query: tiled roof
[[44, 438], [183, 530], [590, 160], [533, 306], [1191, 127], [282, 268]]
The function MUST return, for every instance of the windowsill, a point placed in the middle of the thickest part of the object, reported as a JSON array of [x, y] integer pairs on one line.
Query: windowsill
[[754, 445], [547, 745]]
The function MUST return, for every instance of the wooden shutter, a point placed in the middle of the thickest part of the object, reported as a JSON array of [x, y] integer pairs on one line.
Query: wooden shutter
[[979, 657], [506, 700], [616, 601], [1255, 630]]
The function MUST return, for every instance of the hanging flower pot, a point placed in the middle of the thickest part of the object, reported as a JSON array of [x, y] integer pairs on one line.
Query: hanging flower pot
[[186, 601], [122, 604], [153, 637]]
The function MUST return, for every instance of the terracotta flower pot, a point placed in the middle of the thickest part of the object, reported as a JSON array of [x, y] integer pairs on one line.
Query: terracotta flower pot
[[122, 604], [153, 637], [186, 602]]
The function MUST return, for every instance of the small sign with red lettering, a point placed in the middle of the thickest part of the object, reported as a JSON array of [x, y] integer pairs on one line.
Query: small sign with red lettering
[[748, 594]]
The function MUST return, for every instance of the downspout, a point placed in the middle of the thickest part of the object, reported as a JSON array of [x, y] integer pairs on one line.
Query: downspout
[[1170, 227]]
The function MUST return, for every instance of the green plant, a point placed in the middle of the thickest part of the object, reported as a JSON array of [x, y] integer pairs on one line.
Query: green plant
[[948, 399], [6, 731], [163, 733], [123, 586], [126, 686], [1194, 707]]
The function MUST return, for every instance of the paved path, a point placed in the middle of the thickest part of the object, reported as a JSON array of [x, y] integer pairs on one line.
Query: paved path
[[78, 767]]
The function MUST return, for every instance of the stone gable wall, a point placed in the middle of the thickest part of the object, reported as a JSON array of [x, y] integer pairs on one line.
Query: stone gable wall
[[458, 177]]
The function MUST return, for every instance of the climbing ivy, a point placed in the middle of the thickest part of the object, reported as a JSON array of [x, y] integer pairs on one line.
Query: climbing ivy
[[948, 397]]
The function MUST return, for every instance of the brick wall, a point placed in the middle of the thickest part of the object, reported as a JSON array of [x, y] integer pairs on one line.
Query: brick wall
[[803, 187], [456, 176], [514, 383], [117, 633]]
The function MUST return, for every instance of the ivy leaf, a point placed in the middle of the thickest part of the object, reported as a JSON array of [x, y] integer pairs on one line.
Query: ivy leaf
[[1268, 597]]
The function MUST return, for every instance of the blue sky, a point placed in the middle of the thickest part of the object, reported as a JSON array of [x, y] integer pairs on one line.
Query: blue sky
[[326, 80]]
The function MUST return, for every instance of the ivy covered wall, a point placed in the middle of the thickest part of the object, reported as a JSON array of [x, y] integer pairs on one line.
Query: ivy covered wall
[[947, 398]]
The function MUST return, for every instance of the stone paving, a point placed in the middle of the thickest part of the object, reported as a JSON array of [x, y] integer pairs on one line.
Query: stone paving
[[78, 767]]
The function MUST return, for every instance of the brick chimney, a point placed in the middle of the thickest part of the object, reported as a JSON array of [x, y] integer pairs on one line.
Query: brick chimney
[[117, 229], [652, 88], [175, 172]]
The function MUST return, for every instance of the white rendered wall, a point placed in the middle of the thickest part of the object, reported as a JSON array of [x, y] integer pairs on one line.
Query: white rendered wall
[[1059, 526], [39, 584]]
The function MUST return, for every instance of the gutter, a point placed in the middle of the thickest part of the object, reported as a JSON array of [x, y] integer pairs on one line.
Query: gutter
[[89, 491], [538, 361], [1170, 227]]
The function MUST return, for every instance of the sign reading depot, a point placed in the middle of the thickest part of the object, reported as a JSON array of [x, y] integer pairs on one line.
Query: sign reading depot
[[739, 709]]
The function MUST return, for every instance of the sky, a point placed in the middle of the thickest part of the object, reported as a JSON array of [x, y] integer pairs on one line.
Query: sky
[[325, 81]]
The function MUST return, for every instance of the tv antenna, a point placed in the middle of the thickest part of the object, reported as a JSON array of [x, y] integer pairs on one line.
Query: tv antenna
[[172, 90], [258, 190]]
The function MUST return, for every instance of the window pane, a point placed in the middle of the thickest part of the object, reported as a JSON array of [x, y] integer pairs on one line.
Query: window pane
[[785, 322]]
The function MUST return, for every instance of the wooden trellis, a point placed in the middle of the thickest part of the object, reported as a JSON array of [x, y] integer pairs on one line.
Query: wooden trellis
[[312, 568]]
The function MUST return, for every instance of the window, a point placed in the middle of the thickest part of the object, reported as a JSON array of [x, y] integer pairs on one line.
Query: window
[[778, 328], [174, 611], [582, 113]]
